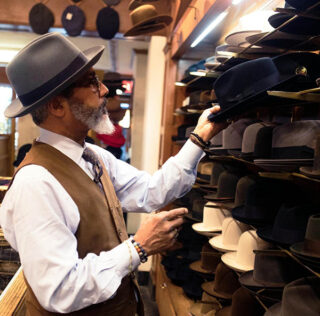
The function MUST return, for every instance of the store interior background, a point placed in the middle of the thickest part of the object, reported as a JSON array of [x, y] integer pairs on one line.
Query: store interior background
[[142, 58]]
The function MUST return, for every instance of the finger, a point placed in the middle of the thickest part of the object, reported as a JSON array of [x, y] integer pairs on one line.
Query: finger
[[176, 223], [215, 109], [175, 213]]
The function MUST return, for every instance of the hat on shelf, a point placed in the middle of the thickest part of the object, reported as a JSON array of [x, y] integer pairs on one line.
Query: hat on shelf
[[240, 88], [240, 38], [216, 141], [204, 171], [283, 40], [243, 259], [263, 200], [207, 304], [310, 247], [293, 145], [202, 104], [303, 4], [41, 18], [183, 132], [300, 297], [314, 172], [227, 184], [232, 137], [145, 19], [196, 213], [231, 232], [210, 258], [225, 283], [40, 53], [243, 303], [192, 286], [111, 2], [217, 169], [290, 224], [272, 269], [213, 217], [137, 3], [107, 23], [300, 25], [251, 142], [73, 20]]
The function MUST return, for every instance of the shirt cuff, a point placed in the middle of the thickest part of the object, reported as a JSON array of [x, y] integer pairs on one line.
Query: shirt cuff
[[190, 155], [123, 256]]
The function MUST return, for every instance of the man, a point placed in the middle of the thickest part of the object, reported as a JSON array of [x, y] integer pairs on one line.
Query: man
[[69, 230]]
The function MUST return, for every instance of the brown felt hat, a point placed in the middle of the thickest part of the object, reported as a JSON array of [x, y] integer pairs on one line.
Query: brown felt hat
[[145, 19]]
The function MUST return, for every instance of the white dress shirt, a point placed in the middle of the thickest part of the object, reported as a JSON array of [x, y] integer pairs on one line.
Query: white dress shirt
[[39, 220]]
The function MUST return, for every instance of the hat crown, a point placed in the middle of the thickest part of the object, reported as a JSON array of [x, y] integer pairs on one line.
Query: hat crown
[[227, 184], [217, 169], [213, 217], [313, 228], [231, 231], [51, 48], [226, 281], [143, 12], [242, 188]]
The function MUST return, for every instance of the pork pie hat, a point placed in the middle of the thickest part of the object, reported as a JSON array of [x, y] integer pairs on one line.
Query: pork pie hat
[[272, 269], [73, 20], [243, 303], [63, 62], [240, 88], [107, 23], [290, 224], [41, 18], [300, 297], [145, 19]]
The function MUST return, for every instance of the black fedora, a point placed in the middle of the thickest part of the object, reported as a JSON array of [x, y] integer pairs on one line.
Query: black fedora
[[46, 51], [290, 224], [41, 18], [240, 88], [107, 22], [73, 20], [272, 269], [302, 4], [263, 201], [300, 25]]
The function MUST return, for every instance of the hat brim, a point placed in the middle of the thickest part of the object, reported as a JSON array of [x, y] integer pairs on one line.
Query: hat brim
[[196, 266], [310, 172], [229, 259], [201, 227], [149, 25], [216, 242], [240, 38], [246, 279], [16, 109], [208, 287], [298, 248]]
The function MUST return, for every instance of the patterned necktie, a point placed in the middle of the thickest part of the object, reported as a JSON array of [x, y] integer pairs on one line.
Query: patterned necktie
[[90, 156]]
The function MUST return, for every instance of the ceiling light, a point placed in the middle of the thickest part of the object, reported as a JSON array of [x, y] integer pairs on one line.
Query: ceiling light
[[209, 28]]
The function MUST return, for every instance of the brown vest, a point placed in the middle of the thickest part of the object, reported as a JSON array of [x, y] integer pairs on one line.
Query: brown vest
[[101, 227]]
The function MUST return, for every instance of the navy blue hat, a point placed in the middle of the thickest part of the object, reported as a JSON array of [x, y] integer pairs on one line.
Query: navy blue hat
[[239, 88], [73, 20], [41, 18], [107, 23]]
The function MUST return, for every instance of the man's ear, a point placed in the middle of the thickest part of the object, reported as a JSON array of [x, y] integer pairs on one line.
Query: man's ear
[[57, 106]]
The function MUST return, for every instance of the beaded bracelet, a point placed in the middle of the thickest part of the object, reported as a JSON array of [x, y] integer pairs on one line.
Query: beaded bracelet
[[141, 252], [204, 144]]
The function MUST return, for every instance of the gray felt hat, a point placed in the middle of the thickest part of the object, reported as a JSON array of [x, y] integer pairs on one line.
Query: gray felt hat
[[44, 68]]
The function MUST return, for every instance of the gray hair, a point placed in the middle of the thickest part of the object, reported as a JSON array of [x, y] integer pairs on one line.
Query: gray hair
[[40, 114]]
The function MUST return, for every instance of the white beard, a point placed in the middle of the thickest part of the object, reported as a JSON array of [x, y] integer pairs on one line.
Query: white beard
[[96, 119]]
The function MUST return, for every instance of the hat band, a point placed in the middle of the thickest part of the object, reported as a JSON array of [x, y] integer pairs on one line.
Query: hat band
[[38, 93]]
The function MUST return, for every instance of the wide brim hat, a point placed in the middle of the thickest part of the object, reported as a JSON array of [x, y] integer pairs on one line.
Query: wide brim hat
[[301, 25], [240, 38], [196, 266], [299, 249], [145, 19], [230, 260], [208, 287], [201, 227], [59, 74], [285, 41], [216, 242], [279, 70]]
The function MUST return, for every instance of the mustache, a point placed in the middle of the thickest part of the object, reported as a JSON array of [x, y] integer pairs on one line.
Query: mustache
[[103, 106]]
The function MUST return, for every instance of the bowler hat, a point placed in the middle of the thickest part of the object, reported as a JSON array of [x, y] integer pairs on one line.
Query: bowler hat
[[300, 297], [73, 20], [240, 88], [310, 247], [225, 283], [107, 23], [63, 63], [272, 269], [144, 18], [290, 224], [41, 18]]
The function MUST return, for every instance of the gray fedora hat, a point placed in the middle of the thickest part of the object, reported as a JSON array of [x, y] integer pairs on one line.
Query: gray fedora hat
[[44, 68]]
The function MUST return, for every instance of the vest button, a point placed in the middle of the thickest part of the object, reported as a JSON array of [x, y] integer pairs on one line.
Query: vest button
[[119, 232]]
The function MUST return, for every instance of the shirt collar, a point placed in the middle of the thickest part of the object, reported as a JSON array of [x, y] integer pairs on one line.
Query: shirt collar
[[64, 144]]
